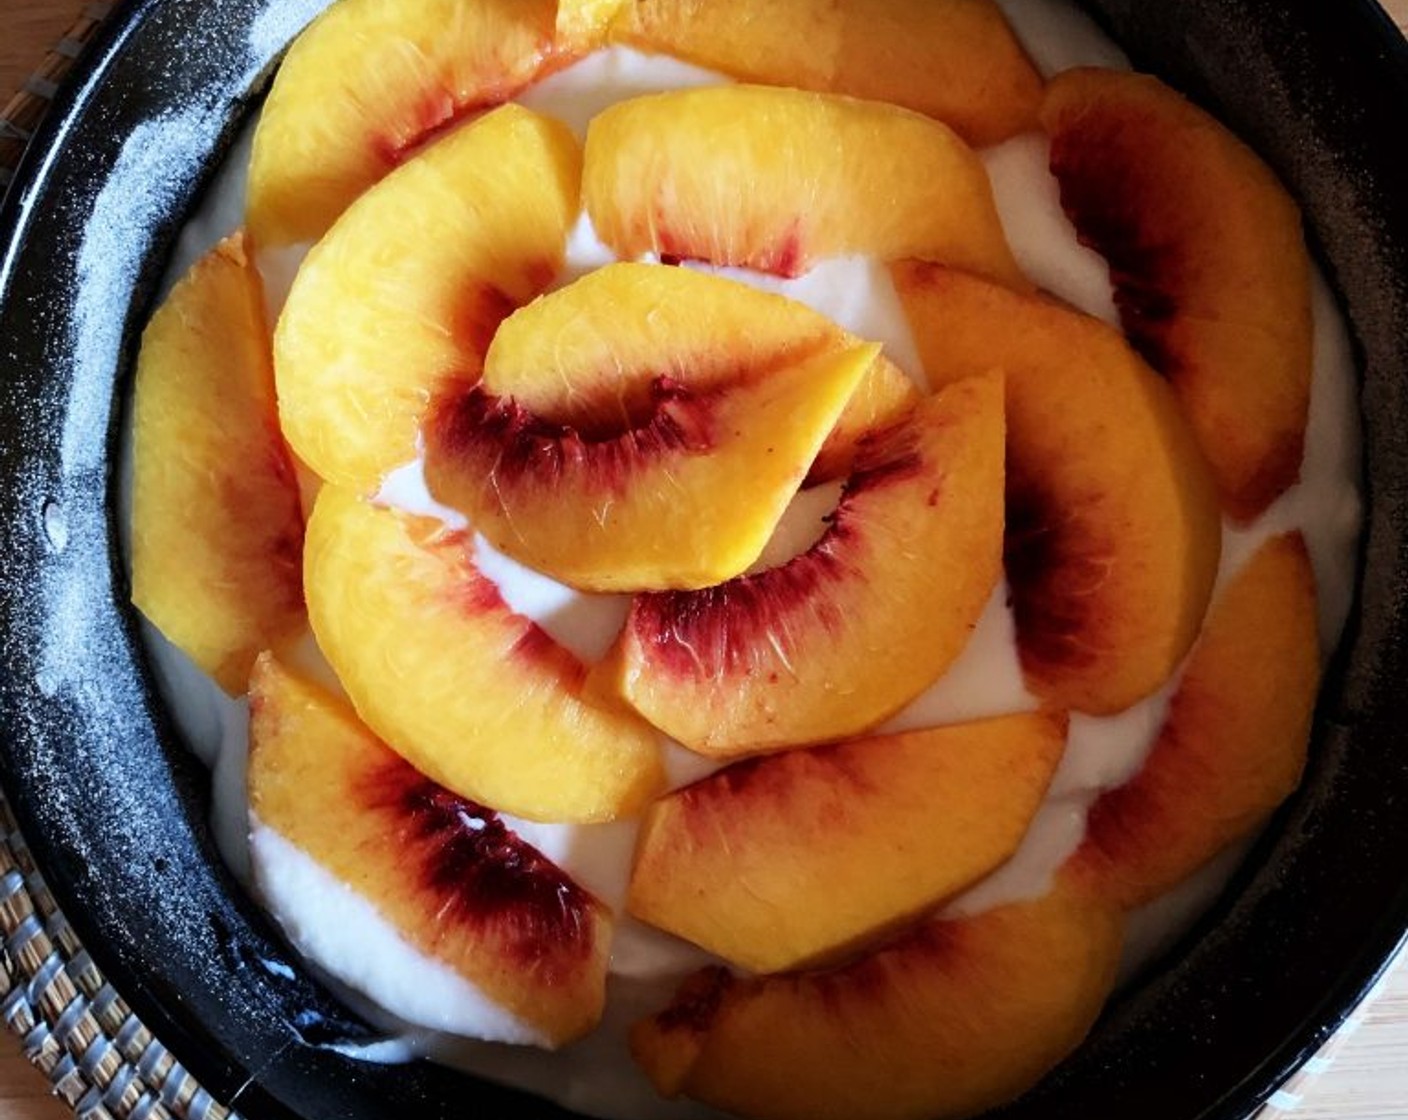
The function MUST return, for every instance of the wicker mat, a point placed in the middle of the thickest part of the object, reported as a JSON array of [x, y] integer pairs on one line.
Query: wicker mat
[[71, 1023]]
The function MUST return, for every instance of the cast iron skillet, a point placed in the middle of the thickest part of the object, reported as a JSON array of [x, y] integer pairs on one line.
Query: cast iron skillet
[[115, 809]]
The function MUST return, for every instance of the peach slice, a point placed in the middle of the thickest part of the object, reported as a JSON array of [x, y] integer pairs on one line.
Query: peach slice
[[1234, 742], [366, 84], [217, 533], [405, 292], [570, 358], [472, 695], [446, 872], [1113, 530], [1209, 263], [582, 25], [955, 60], [948, 1021], [835, 640], [688, 494], [773, 179], [780, 862]]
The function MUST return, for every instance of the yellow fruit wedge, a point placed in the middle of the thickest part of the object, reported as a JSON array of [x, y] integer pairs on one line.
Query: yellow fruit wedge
[[582, 25], [1208, 258], [404, 293], [946, 1022], [775, 179], [217, 532], [368, 82], [1233, 745], [1113, 527], [687, 496], [954, 60], [471, 694], [444, 871], [790, 860], [839, 638], [588, 354]]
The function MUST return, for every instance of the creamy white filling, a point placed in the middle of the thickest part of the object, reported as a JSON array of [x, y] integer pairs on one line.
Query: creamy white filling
[[596, 1076], [329, 922]]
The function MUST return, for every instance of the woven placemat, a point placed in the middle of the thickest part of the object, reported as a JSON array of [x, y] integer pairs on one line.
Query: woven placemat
[[73, 1026], [27, 107]]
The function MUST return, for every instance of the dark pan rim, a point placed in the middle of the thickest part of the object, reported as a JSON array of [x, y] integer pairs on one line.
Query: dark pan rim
[[129, 856]]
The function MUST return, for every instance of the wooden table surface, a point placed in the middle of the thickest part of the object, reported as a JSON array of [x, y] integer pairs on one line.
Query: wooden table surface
[[1368, 1079]]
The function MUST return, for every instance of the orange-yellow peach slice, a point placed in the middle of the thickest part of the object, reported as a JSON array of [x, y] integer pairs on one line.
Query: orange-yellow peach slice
[[368, 82], [444, 871], [685, 495], [582, 25], [837, 639], [956, 60], [404, 293], [950, 1020], [1234, 742], [1209, 264], [773, 179], [784, 861], [588, 354], [471, 694], [217, 533], [1113, 530]]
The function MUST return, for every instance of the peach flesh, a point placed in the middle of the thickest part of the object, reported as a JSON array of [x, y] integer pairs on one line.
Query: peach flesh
[[447, 874], [1233, 745], [954, 60], [217, 532], [712, 632], [683, 498], [475, 425], [716, 175], [1211, 276], [473, 695], [481, 873], [1113, 528], [842, 636], [951, 1018], [373, 82], [401, 295], [748, 861]]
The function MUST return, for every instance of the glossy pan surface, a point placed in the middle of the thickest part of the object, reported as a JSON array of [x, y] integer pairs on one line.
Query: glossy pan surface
[[115, 808]]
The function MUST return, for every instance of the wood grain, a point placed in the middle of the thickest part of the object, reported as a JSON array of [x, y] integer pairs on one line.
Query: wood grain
[[31, 27], [24, 1093], [1368, 1079]]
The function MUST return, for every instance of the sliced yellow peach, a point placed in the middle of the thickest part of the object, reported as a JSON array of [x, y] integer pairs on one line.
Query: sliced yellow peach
[[884, 397], [1113, 530], [582, 25], [405, 292], [780, 862], [588, 354], [1209, 263], [1234, 742], [952, 1019], [444, 871], [955, 60], [684, 496], [217, 533], [474, 696], [835, 640], [773, 179], [368, 82]]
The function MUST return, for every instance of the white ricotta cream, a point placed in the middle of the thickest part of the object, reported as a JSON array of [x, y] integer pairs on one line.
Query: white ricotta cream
[[330, 923], [423, 1005]]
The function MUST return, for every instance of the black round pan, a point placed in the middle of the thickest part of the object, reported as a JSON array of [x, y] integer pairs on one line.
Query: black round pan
[[115, 809]]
